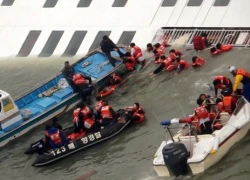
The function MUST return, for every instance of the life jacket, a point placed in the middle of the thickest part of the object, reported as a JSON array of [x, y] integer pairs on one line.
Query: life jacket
[[227, 104], [99, 105], [105, 112], [217, 51], [131, 66], [198, 62], [186, 65], [115, 78], [168, 64], [76, 114], [159, 52], [55, 137], [158, 60], [85, 112], [246, 76], [220, 106], [222, 79], [137, 53], [89, 123], [79, 79], [178, 53], [198, 43], [226, 48], [141, 117], [201, 112], [173, 56]]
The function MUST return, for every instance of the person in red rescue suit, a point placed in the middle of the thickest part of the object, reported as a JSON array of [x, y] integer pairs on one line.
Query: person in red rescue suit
[[181, 65], [197, 62], [129, 61], [137, 54], [166, 63], [55, 137], [241, 76], [229, 101], [201, 42], [108, 114], [221, 82], [136, 113], [83, 87]]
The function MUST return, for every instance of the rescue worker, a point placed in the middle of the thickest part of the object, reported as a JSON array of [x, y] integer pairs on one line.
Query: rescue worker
[[229, 101], [129, 61], [197, 62], [166, 63], [181, 65], [115, 79], [108, 114], [84, 88], [107, 45], [98, 106], [78, 123], [135, 113], [57, 138], [137, 54], [221, 82], [241, 76], [89, 124], [68, 73]]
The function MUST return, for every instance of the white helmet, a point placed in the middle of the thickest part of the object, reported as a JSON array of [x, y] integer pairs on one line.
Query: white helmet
[[232, 69]]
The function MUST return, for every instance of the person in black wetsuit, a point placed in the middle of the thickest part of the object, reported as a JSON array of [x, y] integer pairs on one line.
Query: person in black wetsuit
[[107, 45], [68, 73]]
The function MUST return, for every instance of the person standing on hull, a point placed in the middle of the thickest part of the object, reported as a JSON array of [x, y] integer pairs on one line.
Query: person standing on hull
[[107, 45], [221, 82], [68, 73], [241, 76], [108, 115], [83, 87]]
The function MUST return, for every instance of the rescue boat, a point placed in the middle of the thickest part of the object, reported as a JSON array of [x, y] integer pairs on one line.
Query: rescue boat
[[79, 143], [51, 98], [187, 153]]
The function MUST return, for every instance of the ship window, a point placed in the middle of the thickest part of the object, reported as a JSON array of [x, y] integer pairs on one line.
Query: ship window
[[50, 3], [84, 3], [7, 104], [194, 2], [7, 2], [168, 3], [119, 3], [126, 37], [221, 2]]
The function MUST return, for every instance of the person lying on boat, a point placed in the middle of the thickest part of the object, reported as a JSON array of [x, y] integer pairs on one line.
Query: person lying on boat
[[221, 82], [68, 73], [136, 113], [182, 65], [197, 62], [229, 101], [108, 114], [136, 52], [56, 138], [241, 76], [166, 63], [129, 61], [83, 87]]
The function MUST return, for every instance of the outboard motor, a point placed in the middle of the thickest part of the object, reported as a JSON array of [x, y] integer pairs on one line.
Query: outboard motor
[[175, 157]]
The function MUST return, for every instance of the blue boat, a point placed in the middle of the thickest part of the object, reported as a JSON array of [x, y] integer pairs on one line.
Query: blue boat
[[51, 98]]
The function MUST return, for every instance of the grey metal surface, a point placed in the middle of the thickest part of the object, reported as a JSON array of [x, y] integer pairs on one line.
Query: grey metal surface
[[51, 44], [221, 2], [98, 39], [84, 3], [126, 37], [7, 2], [167, 3], [50, 3], [29, 43], [194, 2], [119, 3], [75, 43]]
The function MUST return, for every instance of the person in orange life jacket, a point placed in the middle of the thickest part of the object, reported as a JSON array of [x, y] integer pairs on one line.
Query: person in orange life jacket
[[136, 113], [181, 65], [129, 61], [107, 45], [203, 117], [137, 54], [241, 76], [229, 101], [84, 88], [150, 47], [115, 79], [221, 82], [98, 106], [89, 124], [68, 73], [108, 115], [57, 138], [197, 62], [175, 53], [215, 51]]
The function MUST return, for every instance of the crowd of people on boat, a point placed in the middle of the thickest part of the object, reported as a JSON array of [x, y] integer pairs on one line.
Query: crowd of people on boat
[[88, 120]]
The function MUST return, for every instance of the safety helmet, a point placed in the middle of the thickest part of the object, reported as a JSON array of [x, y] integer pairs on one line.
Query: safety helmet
[[232, 69]]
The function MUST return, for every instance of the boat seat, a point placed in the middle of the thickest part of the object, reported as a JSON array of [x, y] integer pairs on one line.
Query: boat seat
[[46, 103], [63, 93], [224, 117]]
